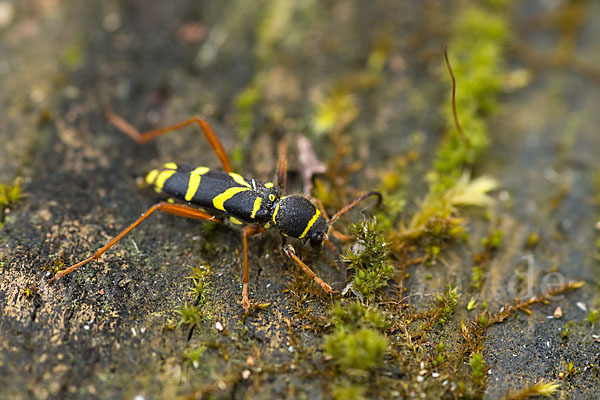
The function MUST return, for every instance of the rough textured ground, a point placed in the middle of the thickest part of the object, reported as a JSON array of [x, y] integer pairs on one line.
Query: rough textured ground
[[107, 331]]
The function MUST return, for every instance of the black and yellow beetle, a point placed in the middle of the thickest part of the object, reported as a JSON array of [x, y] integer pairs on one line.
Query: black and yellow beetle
[[225, 194]]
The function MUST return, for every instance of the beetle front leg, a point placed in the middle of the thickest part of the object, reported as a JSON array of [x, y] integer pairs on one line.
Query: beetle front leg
[[291, 253]]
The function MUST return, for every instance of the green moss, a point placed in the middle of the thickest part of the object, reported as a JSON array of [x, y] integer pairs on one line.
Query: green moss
[[592, 316], [477, 364], [199, 277], [532, 240], [492, 241], [476, 52], [440, 355], [447, 303], [73, 55], [369, 259], [361, 350], [477, 277], [356, 343], [10, 195], [192, 356], [189, 314], [437, 216], [346, 390], [337, 106], [566, 330], [245, 102]]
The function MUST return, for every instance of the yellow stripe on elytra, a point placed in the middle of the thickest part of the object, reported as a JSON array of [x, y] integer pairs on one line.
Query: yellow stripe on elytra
[[200, 170], [220, 199], [192, 188], [170, 165], [238, 178], [235, 221], [162, 178], [275, 213], [310, 223], [256, 207], [151, 177]]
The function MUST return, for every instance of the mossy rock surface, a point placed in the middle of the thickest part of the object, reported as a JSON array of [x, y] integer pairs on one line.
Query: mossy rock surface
[[265, 73]]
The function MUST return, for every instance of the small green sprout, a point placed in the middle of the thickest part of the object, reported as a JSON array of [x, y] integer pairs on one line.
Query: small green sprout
[[477, 364], [193, 356], [567, 329], [532, 240], [477, 277], [447, 303], [189, 314], [29, 291], [440, 357], [540, 388], [472, 304], [592, 316], [199, 277]]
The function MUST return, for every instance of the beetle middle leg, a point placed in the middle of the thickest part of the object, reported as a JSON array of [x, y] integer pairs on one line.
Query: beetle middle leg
[[249, 230]]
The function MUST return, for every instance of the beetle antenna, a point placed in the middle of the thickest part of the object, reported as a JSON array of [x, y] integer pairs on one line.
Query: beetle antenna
[[454, 112], [350, 206]]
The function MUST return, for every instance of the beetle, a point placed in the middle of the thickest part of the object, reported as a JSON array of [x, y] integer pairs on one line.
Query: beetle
[[202, 193]]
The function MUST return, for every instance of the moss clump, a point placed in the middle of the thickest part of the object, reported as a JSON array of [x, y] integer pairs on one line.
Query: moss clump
[[356, 346], [369, 259], [437, 216], [10, 195], [361, 350]]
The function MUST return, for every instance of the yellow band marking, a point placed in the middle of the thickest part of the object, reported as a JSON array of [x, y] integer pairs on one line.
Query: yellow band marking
[[151, 176], [170, 165], [238, 178], [310, 223], [256, 207], [275, 213], [200, 171], [269, 185], [235, 221], [162, 178], [193, 185], [220, 199]]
